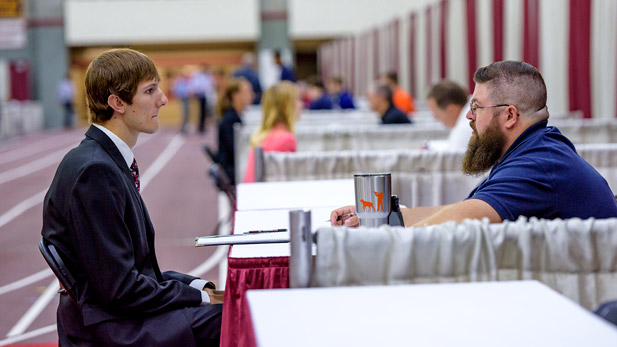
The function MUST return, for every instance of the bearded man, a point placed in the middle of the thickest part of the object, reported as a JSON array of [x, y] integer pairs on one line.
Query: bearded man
[[535, 170]]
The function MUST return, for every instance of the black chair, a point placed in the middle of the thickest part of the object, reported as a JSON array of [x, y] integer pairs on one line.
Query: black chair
[[213, 156], [56, 264], [223, 183]]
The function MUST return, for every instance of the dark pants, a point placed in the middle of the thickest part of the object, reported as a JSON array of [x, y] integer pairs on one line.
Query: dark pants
[[190, 326], [68, 114], [203, 113]]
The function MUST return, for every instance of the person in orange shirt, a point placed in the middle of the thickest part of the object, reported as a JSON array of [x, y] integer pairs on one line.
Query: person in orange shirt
[[401, 98]]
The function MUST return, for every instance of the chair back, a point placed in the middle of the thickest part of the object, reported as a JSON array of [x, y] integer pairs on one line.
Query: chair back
[[56, 264], [222, 182]]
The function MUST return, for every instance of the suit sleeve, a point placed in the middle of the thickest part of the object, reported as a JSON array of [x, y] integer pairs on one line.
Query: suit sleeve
[[105, 248], [173, 275]]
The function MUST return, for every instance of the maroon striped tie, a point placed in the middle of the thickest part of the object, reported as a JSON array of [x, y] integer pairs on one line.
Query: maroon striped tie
[[135, 173]]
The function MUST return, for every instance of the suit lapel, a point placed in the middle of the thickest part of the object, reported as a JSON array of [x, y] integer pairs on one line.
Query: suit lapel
[[110, 147]]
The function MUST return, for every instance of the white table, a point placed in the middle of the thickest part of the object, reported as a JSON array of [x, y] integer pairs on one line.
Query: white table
[[269, 220], [525, 313], [295, 194]]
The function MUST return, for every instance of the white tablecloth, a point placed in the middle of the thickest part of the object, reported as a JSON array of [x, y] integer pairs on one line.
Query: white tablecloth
[[576, 257], [294, 195], [269, 220], [477, 314]]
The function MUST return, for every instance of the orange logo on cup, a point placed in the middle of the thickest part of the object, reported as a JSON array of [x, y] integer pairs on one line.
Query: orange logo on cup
[[369, 205], [379, 200]]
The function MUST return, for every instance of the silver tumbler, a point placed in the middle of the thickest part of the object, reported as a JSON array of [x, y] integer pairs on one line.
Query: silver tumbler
[[301, 245], [373, 193]]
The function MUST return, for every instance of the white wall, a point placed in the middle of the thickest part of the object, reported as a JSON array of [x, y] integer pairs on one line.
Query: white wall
[[96, 22], [92, 22], [327, 18]]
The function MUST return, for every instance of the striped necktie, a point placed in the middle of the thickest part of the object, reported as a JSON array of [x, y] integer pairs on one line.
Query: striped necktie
[[135, 173]]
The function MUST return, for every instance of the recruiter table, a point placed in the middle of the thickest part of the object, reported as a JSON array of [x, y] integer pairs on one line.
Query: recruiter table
[[524, 313], [266, 206]]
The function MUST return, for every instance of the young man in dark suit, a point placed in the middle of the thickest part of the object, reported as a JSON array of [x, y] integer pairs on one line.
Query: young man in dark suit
[[95, 217]]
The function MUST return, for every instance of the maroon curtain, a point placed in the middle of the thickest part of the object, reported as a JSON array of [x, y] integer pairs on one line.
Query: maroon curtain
[[244, 274], [498, 30], [579, 69], [412, 54], [376, 53], [472, 59], [531, 30], [396, 58], [351, 83], [20, 80], [429, 47], [443, 7]]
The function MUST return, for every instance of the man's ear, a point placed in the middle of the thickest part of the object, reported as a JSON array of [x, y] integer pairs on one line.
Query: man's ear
[[116, 103], [511, 116]]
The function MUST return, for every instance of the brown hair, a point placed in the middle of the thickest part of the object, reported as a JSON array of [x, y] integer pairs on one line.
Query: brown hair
[[225, 101], [517, 83], [119, 72], [447, 93]]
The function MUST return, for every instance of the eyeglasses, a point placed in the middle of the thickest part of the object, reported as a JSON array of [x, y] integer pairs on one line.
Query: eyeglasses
[[474, 108]]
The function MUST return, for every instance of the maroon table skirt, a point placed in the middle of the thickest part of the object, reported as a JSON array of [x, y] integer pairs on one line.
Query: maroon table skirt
[[244, 274]]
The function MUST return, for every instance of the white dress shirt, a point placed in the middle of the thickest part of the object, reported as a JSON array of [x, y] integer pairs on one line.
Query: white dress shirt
[[459, 135]]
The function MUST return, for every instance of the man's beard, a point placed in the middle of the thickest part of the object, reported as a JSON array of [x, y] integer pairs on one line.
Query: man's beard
[[483, 151]]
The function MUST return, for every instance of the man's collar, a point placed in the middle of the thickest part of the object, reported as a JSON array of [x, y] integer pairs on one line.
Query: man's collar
[[124, 149], [524, 136]]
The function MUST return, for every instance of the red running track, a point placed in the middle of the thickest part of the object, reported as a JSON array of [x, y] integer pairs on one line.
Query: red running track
[[181, 200]]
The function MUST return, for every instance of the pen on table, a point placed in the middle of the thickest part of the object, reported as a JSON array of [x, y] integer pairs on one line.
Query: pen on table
[[265, 231], [344, 216]]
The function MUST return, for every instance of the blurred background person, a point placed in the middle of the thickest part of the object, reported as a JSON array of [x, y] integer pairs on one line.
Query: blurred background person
[[247, 71], [340, 96], [380, 101], [281, 107], [65, 93], [238, 94], [400, 97], [449, 103], [180, 90], [200, 85], [320, 100], [287, 72]]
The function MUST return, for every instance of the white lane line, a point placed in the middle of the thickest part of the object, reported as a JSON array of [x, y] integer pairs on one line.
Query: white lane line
[[34, 166], [219, 255], [162, 160], [22, 207], [29, 335], [42, 302], [35, 310], [26, 281], [214, 260], [37, 147], [36, 199]]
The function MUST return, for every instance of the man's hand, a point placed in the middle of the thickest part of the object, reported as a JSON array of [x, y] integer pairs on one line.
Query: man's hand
[[351, 221], [216, 296]]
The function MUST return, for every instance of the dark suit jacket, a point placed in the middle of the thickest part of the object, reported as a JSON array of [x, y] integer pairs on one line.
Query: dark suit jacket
[[394, 116], [97, 220], [227, 153]]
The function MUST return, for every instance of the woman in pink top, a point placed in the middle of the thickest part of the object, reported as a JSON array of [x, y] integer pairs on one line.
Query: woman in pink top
[[281, 107]]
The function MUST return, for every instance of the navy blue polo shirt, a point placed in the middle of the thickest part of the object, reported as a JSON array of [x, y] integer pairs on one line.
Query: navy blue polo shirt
[[541, 175]]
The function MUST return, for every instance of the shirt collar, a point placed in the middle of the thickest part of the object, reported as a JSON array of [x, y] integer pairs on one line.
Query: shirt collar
[[124, 149], [529, 132]]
